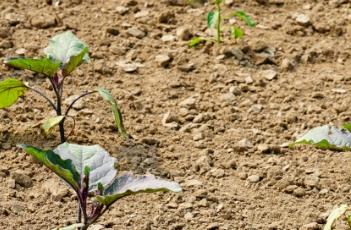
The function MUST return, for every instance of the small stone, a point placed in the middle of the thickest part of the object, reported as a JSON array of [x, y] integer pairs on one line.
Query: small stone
[[243, 145], [287, 64], [188, 216], [228, 2], [324, 191], [168, 38], [43, 21], [254, 178], [21, 51], [192, 183], [299, 192], [184, 33], [55, 189], [121, 10], [303, 19], [231, 164], [217, 173], [213, 226], [170, 121], [187, 67], [270, 74], [242, 175], [129, 67], [188, 103], [11, 183], [141, 14], [135, 32], [97, 227], [113, 31], [22, 179], [167, 18], [78, 105], [163, 60], [198, 136], [249, 80]]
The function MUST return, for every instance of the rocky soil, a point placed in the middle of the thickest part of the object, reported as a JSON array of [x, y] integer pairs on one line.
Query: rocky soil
[[213, 118]]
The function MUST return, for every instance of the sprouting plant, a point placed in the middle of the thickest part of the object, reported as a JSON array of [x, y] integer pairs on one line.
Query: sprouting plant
[[214, 23], [90, 172], [64, 54]]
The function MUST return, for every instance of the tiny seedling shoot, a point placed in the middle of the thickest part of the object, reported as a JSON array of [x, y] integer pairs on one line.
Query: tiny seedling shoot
[[90, 172], [214, 23], [64, 54]]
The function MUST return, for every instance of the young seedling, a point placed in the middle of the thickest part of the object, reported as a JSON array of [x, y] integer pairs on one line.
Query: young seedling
[[64, 54], [214, 23], [90, 172]]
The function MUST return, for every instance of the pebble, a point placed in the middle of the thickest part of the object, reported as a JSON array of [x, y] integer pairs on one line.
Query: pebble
[[270, 74], [44, 21], [168, 38], [129, 67], [188, 216], [22, 179], [184, 33], [213, 226], [198, 136], [299, 192], [55, 189], [188, 103], [303, 19], [135, 32], [163, 60], [170, 121], [121, 10], [254, 178]]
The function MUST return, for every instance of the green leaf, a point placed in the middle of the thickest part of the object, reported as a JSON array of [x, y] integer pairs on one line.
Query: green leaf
[[217, 2], [334, 215], [213, 19], [10, 90], [106, 95], [245, 17], [43, 65], [128, 185], [237, 32], [75, 61], [347, 126], [63, 168], [326, 137], [100, 164], [51, 122], [196, 41], [68, 50]]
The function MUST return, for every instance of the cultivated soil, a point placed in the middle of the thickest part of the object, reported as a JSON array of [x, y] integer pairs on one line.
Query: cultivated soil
[[213, 118]]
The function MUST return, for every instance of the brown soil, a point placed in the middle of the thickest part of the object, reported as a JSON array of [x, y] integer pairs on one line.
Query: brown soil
[[228, 117]]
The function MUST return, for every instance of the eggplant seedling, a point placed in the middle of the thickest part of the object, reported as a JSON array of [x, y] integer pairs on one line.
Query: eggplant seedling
[[64, 54], [90, 172], [214, 23]]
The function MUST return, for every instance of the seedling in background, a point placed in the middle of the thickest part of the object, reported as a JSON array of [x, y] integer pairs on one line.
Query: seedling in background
[[214, 23], [90, 172], [64, 54]]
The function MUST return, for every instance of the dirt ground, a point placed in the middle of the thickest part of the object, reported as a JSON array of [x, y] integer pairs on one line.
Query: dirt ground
[[212, 118]]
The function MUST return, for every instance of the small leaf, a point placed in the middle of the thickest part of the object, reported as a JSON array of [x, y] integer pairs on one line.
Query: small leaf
[[128, 184], [100, 163], [43, 65], [50, 123], [196, 41], [237, 32], [68, 50], [10, 90], [106, 95], [326, 137], [213, 19], [334, 215], [245, 17], [347, 126], [217, 2], [63, 168]]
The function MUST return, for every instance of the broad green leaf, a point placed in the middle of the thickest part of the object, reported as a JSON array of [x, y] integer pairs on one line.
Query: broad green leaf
[[10, 90], [43, 65], [237, 32], [327, 137], [100, 163], [68, 50], [334, 215], [106, 95], [196, 41], [128, 184], [61, 167], [51, 122], [75, 61], [242, 15]]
